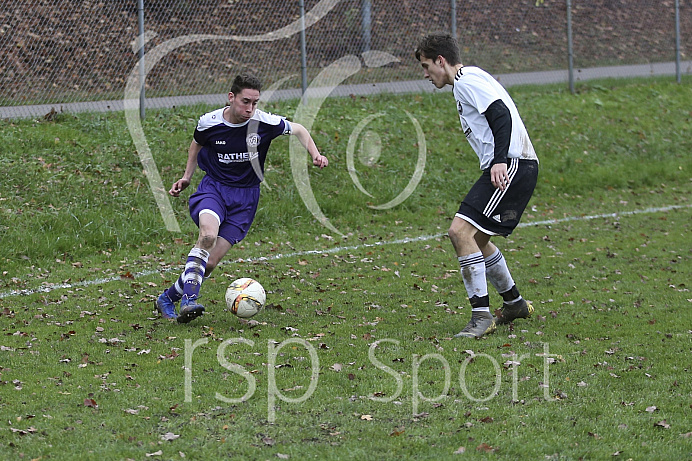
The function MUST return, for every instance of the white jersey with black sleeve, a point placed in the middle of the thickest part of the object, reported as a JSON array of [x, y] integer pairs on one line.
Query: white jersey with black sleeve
[[474, 91]]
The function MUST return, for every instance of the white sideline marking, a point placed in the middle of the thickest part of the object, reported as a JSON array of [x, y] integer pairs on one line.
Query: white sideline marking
[[422, 238]]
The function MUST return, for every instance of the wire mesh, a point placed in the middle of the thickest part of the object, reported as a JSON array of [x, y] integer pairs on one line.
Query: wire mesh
[[55, 52]]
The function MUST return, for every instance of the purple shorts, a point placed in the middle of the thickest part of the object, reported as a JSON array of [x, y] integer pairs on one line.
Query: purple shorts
[[234, 206]]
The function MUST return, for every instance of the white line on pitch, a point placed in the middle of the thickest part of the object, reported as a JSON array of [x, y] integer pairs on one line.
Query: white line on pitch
[[422, 238]]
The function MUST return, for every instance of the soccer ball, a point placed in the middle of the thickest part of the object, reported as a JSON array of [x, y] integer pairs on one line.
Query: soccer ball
[[245, 297]]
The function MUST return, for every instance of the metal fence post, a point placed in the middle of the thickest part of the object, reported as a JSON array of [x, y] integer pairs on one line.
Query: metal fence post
[[453, 18], [570, 64], [677, 40], [142, 76], [367, 24], [303, 53]]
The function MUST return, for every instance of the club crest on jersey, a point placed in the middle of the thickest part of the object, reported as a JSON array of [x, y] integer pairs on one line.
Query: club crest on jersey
[[253, 140]]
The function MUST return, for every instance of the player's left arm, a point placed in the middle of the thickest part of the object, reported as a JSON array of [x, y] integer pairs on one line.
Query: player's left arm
[[500, 121], [306, 140]]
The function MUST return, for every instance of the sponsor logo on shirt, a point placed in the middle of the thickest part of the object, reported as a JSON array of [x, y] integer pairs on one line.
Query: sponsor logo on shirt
[[237, 157], [223, 143]]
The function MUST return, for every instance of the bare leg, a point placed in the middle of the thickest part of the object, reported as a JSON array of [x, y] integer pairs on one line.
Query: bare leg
[[467, 242], [216, 254]]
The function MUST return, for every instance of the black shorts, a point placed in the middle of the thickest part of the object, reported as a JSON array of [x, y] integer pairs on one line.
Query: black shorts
[[496, 212]]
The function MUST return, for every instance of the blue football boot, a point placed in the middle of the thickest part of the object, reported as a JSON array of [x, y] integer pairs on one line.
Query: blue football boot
[[189, 309], [165, 306]]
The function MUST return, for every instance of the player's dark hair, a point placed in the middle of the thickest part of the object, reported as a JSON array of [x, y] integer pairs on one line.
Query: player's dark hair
[[434, 45], [245, 80]]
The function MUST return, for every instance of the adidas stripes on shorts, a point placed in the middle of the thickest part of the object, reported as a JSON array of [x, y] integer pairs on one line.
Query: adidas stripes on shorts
[[497, 212]]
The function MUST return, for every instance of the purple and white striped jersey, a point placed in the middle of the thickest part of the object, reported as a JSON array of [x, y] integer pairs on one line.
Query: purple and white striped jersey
[[234, 154]]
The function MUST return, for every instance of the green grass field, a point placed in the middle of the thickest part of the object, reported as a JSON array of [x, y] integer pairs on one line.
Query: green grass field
[[353, 356]]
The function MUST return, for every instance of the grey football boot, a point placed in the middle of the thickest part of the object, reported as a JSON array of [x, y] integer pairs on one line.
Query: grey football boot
[[481, 323]]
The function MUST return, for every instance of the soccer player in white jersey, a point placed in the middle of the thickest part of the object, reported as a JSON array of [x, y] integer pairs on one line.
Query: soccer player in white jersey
[[230, 145], [494, 205]]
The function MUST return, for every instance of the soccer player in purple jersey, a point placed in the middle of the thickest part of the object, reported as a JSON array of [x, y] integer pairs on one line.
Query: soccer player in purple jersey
[[230, 145], [494, 205]]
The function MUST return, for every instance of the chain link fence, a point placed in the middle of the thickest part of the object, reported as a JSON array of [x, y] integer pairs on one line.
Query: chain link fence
[[83, 54]]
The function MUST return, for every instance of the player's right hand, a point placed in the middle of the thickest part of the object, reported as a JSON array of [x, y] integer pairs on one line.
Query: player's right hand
[[499, 176], [179, 186]]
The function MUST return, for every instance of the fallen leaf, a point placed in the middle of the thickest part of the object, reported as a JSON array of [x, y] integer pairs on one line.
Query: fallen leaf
[[156, 453], [90, 403], [662, 424], [366, 417], [460, 451], [169, 436], [485, 448], [651, 409], [22, 431], [336, 367], [294, 388]]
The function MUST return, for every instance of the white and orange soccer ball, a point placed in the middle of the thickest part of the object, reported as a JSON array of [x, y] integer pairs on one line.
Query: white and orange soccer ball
[[245, 297]]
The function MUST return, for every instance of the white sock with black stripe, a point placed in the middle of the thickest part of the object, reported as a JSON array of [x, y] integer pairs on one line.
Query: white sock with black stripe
[[472, 268], [499, 276]]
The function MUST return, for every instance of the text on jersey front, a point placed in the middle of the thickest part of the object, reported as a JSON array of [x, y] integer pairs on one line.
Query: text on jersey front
[[235, 157]]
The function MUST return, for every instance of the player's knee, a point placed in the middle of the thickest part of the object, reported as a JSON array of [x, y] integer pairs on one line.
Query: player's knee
[[460, 233], [207, 241], [456, 233]]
